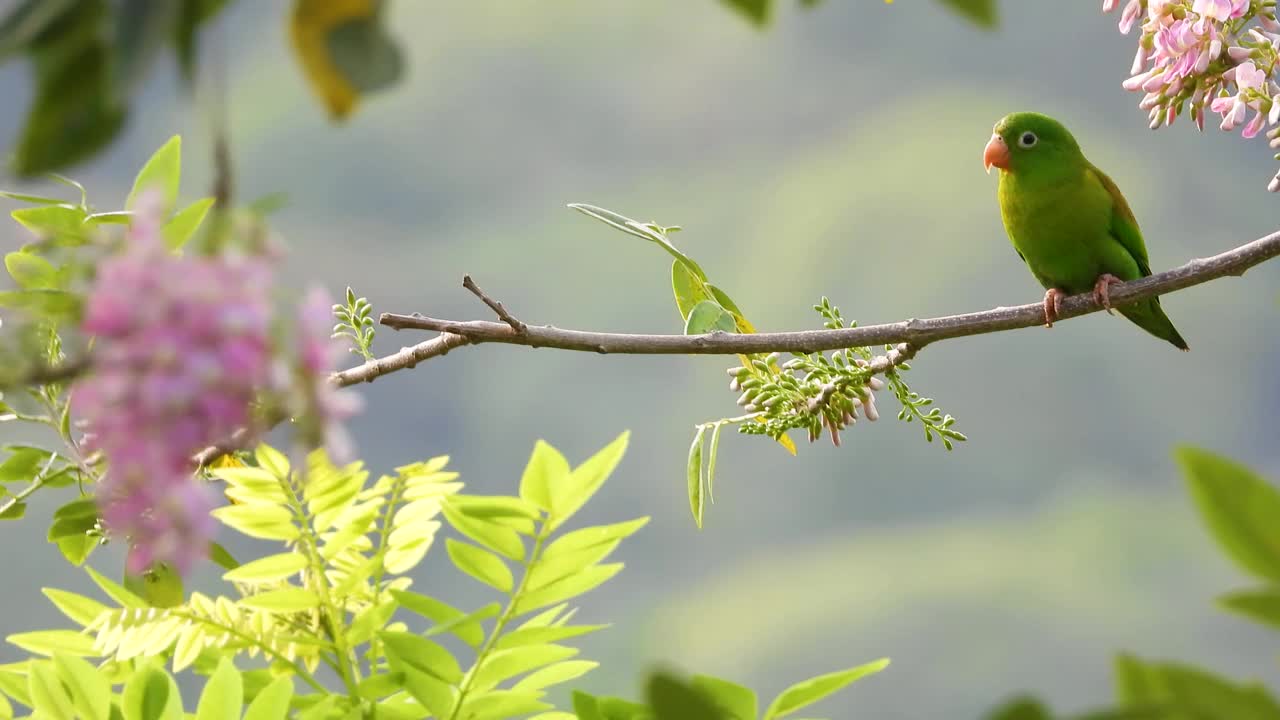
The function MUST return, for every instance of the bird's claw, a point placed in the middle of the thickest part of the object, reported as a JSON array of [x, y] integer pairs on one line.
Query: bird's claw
[[1052, 305], [1102, 290]]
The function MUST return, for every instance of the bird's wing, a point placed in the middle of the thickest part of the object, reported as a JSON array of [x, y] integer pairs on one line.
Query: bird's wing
[[1124, 226]]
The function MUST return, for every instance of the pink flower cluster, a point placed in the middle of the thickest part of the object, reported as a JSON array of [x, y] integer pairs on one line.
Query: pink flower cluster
[[1214, 55], [181, 347]]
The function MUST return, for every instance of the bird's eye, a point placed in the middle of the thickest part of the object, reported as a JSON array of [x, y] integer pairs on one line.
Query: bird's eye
[[1028, 139]]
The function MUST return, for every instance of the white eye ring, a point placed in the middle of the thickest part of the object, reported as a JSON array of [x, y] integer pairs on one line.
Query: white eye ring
[[1028, 139]]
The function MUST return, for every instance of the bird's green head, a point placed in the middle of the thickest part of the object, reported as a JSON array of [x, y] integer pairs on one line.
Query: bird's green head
[[1030, 144]]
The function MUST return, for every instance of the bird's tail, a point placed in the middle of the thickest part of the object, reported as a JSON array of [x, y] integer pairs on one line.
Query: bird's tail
[[1149, 316]]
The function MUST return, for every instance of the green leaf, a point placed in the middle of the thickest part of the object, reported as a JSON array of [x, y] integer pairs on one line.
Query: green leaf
[[82, 610], [504, 664], [23, 464], [407, 651], [272, 703], [711, 461], [980, 12], [31, 272], [190, 16], [221, 557], [1021, 708], [33, 199], [672, 699], [1195, 692], [435, 695], [498, 538], [259, 520], [159, 586], [1261, 605], [814, 689], [441, 613], [690, 290], [1240, 509], [90, 691], [480, 564], [142, 28], [151, 695], [6, 709], [76, 110], [364, 53], [569, 587], [547, 468], [486, 507], [640, 230], [15, 510], [76, 548], [268, 569], [756, 11], [539, 635], [115, 591], [503, 704], [52, 220], [49, 698], [470, 620], [286, 600], [27, 21], [707, 316], [114, 217], [547, 571], [48, 642], [47, 304], [583, 482], [555, 674], [738, 701], [693, 475], [223, 695], [162, 173], [572, 542]]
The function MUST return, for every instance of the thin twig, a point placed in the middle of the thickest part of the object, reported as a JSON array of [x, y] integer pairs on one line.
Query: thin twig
[[918, 333], [494, 305]]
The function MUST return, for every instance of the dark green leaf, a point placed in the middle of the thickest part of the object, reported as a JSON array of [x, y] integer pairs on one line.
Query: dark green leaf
[[363, 52], [1022, 708], [76, 110], [1201, 694], [671, 699], [980, 12], [27, 21], [757, 11], [142, 28], [221, 557], [13, 511], [190, 17], [1240, 508]]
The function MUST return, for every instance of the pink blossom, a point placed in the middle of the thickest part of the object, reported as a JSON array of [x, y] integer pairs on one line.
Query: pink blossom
[[1220, 10], [181, 348]]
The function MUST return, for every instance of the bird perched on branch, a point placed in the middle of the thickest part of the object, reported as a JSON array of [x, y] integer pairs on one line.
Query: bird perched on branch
[[1068, 221]]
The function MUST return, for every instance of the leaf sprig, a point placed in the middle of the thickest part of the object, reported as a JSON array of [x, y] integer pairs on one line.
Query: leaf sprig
[[355, 322]]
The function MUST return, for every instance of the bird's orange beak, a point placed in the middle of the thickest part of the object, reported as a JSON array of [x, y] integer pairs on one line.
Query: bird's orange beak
[[996, 154]]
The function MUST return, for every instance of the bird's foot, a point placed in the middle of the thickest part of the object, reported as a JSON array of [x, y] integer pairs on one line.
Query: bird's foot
[[1102, 290], [1052, 305]]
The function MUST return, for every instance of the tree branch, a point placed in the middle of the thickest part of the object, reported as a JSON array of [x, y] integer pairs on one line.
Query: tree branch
[[915, 332]]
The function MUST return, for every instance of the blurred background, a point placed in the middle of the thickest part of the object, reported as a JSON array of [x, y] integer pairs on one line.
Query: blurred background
[[836, 153]]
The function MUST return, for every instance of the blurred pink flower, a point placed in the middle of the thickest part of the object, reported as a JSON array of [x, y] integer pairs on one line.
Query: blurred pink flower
[[181, 348]]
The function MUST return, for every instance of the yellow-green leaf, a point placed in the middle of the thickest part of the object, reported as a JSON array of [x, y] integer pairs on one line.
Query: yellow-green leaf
[[555, 674], [161, 173], [498, 538], [480, 564], [48, 642], [286, 600], [409, 651], [505, 664], [693, 474], [268, 569], [82, 610], [566, 588], [573, 492], [90, 691], [814, 689], [184, 223], [262, 521], [547, 468], [223, 695], [49, 697], [272, 702]]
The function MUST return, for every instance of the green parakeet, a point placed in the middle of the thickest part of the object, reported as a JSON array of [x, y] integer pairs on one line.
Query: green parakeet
[[1068, 220]]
